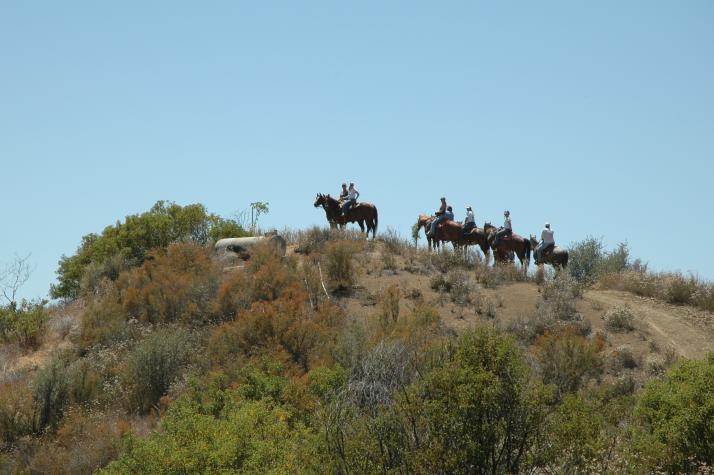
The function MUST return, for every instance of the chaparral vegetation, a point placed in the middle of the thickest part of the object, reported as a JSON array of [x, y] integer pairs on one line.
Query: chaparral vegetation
[[350, 356]]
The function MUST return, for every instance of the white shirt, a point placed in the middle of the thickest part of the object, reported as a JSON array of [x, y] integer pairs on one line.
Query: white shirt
[[352, 194], [547, 236], [469, 217], [507, 224]]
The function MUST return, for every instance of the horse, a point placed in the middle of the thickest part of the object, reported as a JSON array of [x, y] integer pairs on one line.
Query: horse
[[362, 213], [514, 243], [425, 222], [453, 232], [556, 257]]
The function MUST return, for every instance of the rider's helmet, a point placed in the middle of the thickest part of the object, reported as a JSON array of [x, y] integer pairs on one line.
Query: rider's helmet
[[547, 225], [443, 199], [468, 208], [506, 213], [344, 185], [449, 209]]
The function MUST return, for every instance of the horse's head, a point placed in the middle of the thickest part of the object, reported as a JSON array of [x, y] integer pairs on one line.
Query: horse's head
[[319, 200], [423, 220], [534, 240]]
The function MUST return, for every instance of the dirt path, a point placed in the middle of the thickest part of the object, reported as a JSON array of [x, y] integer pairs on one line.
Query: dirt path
[[687, 330]]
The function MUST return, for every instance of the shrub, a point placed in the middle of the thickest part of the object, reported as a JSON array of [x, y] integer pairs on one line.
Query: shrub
[[154, 365], [704, 297], [483, 412], [583, 435], [312, 241], [393, 243], [339, 267], [557, 309], [680, 289], [131, 240], [24, 323], [84, 443], [566, 359], [104, 320], [389, 305], [376, 376], [16, 413], [287, 325], [177, 284], [623, 358], [673, 288], [389, 262], [50, 392], [676, 417], [619, 319], [456, 283], [589, 260], [244, 436]]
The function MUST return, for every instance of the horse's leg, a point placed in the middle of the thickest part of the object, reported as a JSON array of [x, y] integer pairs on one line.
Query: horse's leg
[[361, 225]]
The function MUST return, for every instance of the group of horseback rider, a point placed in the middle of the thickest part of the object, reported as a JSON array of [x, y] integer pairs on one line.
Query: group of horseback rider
[[446, 213]]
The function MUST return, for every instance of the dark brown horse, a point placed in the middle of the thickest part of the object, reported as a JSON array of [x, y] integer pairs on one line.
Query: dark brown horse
[[362, 213], [514, 243], [556, 257]]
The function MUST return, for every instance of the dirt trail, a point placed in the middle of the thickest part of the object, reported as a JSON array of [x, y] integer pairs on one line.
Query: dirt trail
[[687, 330]]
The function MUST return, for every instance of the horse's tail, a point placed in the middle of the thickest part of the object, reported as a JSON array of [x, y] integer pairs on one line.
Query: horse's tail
[[565, 259], [376, 221], [527, 243]]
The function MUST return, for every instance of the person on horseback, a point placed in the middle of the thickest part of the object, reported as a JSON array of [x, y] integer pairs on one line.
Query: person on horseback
[[547, 242], [506, 230], [352, 195], [440, 216], [449, 215], [344, 193], [470, 221]]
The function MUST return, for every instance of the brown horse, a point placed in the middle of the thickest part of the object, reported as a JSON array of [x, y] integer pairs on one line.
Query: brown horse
[[515, 243], [362, 213], [556, 257]]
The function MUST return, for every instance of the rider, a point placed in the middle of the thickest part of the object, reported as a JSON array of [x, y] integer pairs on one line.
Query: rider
[[469, 221], [352, 195], [506, 230], [449, 215], [343, 193], [440, 216], [546, 242]]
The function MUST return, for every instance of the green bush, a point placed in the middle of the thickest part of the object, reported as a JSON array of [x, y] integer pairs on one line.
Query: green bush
[[676, 417], [24, 324], [154, 365], [244, 437], [483, 411], [127, 243]]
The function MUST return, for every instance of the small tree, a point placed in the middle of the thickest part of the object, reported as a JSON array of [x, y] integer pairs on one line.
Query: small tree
[[256, 209], [13, 276]]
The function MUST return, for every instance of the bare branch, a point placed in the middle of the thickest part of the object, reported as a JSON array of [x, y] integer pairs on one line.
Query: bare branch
[[13, 276]]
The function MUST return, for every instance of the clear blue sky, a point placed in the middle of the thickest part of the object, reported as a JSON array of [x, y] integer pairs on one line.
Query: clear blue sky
[[596, 116]]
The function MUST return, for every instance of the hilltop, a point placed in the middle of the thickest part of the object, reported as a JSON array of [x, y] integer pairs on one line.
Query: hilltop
[[352, 355]]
